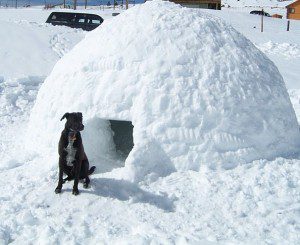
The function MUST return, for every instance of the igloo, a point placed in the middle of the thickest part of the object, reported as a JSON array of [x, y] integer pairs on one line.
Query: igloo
[[196, 91]]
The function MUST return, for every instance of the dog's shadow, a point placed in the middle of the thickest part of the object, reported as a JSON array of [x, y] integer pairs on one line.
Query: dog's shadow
[[124, 191]]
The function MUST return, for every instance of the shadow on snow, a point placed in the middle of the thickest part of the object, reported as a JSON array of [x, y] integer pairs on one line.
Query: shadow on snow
[[124, 191]]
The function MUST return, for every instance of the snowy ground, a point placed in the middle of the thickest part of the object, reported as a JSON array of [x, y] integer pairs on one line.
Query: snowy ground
[[254, 203], [269, 6]]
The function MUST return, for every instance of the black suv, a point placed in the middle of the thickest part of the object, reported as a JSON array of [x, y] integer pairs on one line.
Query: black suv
[[84, 21], [260, 12]]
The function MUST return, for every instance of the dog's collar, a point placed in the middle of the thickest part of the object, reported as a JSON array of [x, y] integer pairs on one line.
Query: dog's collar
[[73, 136]]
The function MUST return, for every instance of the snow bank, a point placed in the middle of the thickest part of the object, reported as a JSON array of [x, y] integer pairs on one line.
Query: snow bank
[[197, 92], [31, 48], [287, 50]]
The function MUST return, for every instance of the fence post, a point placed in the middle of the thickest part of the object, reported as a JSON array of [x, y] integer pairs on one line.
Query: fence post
[[262, 21], [288, 26]]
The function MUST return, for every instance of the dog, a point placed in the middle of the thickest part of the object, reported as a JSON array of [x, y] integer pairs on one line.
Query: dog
[[72, 159]]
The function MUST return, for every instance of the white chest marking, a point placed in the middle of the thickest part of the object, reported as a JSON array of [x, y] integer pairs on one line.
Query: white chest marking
[[71, 153]]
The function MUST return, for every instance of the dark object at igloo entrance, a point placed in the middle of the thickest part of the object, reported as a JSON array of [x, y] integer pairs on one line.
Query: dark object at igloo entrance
[[122, 136]]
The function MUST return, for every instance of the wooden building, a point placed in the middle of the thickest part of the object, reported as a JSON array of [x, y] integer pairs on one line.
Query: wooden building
[[278, 16], [293, 10], [206, 4]]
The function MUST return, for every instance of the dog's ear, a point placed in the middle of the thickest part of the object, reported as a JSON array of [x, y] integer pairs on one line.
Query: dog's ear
[[65, 116]]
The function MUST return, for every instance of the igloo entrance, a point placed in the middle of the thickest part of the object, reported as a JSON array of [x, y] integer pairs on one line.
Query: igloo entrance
[[107, 142], [122, 137]]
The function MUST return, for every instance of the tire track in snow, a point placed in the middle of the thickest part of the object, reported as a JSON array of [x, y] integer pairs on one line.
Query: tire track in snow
[[58, 44]]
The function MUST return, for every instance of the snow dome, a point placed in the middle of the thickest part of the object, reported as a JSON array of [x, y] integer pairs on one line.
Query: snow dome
[[197, 93]]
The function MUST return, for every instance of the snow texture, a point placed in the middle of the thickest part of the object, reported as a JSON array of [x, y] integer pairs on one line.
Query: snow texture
[[41, 47], [287, 50], [197, 91]]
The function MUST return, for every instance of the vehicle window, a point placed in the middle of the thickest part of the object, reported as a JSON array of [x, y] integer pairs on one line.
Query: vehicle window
[[62, 17], [94, 21], [80, 18]]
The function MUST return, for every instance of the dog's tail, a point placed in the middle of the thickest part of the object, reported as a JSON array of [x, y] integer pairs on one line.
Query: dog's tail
[[92, 170]]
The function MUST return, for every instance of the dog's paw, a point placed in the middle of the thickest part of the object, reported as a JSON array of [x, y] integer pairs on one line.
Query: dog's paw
[[75, 192], [58, 190], [85, 185]]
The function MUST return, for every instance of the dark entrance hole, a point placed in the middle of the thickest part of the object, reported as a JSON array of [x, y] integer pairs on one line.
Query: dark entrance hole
[[122, 136]]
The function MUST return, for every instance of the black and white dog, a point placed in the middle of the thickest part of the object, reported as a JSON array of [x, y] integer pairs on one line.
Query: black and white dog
[[72, 158]]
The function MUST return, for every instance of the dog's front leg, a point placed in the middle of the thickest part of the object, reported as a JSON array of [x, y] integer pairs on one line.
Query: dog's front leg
[[76, 177], [85, 172], [60, 176]]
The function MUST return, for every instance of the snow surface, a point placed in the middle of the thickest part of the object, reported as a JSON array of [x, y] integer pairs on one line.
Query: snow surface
[[257, 3], [198, 93], [256, 203], [270, 6], [41, 47]]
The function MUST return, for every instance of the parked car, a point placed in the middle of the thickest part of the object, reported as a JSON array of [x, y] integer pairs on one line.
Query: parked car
[[260, 12], [84, 21]]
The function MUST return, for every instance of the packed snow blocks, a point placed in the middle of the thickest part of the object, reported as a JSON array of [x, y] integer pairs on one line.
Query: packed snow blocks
[[196, 91]]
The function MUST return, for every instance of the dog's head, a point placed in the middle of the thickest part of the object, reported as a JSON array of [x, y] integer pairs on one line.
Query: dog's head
[[74, 121]]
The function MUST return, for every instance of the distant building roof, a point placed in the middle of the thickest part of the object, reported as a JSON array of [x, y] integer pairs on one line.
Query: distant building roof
[[297, 1]]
